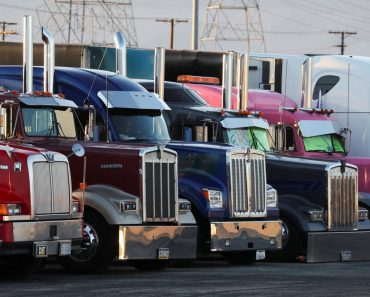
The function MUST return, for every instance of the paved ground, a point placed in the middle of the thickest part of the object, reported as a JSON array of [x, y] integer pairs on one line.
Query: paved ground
[[201, 279]]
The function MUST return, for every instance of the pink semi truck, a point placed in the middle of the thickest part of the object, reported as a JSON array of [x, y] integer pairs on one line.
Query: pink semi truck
[[294, 131]]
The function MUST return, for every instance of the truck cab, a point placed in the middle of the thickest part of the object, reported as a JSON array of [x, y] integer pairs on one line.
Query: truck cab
[[39, 215]]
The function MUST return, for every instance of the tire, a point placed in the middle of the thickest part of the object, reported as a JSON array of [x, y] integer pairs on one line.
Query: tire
[[240, 258], [150, 265], [20, 266], [292, 242], [97, 251]]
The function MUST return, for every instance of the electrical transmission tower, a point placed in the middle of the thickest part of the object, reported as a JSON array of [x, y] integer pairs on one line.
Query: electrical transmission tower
[[232, 25], [88, 21]]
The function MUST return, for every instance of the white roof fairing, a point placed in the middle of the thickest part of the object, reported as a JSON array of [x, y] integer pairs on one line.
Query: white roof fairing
[[132, 100], [235, 122], [46, 101], [310, 128]]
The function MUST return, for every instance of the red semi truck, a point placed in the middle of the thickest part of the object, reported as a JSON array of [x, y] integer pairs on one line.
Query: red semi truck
[[39, 217]]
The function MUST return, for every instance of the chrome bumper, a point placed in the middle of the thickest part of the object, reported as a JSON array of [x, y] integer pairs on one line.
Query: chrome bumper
[[338, 246], [42, 238], [47, 230], [148, 242], [241, 236]]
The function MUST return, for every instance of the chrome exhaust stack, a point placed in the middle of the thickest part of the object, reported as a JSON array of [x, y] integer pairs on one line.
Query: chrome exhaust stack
[[227, 79], [27, 55], [159, 68], [244, 69], [49, 60], [307, 83], [237, 78], [121, 53]]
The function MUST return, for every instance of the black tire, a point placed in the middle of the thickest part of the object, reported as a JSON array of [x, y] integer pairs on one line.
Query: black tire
[[97, 251], [150, 265], [20, 266], [240, 258], [293, 242]]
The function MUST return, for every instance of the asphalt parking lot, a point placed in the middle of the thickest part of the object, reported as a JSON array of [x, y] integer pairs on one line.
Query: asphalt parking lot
[[203, 278]]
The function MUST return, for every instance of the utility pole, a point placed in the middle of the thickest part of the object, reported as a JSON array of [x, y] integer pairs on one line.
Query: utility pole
[[172, 23], [4, 32], [343, 35]]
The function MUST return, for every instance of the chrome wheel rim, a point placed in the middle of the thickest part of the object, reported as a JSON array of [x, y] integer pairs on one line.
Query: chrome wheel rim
[[90, 244], [284, 233]]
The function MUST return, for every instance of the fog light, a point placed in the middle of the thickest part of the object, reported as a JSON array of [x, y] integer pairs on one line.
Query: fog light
[[227, 242], [362, 214], [316, 215], [184, 206], [128, 206], [14, 209]]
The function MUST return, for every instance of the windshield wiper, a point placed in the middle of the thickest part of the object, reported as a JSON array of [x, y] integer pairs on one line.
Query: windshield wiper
[[256, 141]]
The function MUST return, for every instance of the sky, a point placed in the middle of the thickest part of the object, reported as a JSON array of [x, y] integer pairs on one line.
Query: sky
[[290, 26]]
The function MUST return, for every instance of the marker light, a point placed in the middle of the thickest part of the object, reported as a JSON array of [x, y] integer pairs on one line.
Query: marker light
[[198, 79]]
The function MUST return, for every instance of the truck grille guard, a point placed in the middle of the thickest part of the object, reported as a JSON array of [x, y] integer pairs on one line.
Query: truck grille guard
[[342, 198], [160, 186], [247, 184], [50, 186]]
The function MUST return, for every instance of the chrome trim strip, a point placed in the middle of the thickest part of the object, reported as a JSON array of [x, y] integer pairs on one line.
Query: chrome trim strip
[[16, 218]]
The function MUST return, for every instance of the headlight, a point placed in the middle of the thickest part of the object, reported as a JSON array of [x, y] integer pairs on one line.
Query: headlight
[[75, 207], [10, 209], [271, 196], [362, 214], [128, 206], [316, 215], [214, 198], [184, 206]]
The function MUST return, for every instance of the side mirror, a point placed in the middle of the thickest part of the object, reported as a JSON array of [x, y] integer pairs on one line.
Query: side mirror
[[346, 135], [78, 150]]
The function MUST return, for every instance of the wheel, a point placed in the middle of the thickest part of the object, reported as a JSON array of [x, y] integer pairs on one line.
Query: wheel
[[150, 265], [292, 242], [20, 266], [97, 250], [240, 258]]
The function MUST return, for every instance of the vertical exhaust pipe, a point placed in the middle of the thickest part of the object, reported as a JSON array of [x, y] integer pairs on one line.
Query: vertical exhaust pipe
[[27, 55], [244, 82], [159, 68], [227, 79], [307, 83], [49, 60], [237, 76], [121, 53]]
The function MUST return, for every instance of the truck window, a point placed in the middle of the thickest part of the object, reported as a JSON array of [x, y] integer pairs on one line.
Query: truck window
[[139, 124], [251, 136], [48, 122], [283, 136], [325, 84], [329, 143]]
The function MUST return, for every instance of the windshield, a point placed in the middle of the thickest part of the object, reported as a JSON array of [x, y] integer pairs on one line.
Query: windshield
[[252, 136], [139, 125], [48, 122], [330, 143]]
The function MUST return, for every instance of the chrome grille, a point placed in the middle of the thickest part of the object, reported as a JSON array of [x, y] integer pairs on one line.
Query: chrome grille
[[51, 189], [248, 184], [160, 199], [342, 199]]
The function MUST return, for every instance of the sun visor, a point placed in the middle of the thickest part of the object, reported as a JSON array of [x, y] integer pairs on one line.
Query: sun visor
[[132, 100], [46, 101], [235, 122], [315, 128]]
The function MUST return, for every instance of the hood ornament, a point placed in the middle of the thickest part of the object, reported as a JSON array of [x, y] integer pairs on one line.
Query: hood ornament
[[247, 153]]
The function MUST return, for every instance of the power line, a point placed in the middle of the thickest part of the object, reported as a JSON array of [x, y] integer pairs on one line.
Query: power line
[[343, 35]]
